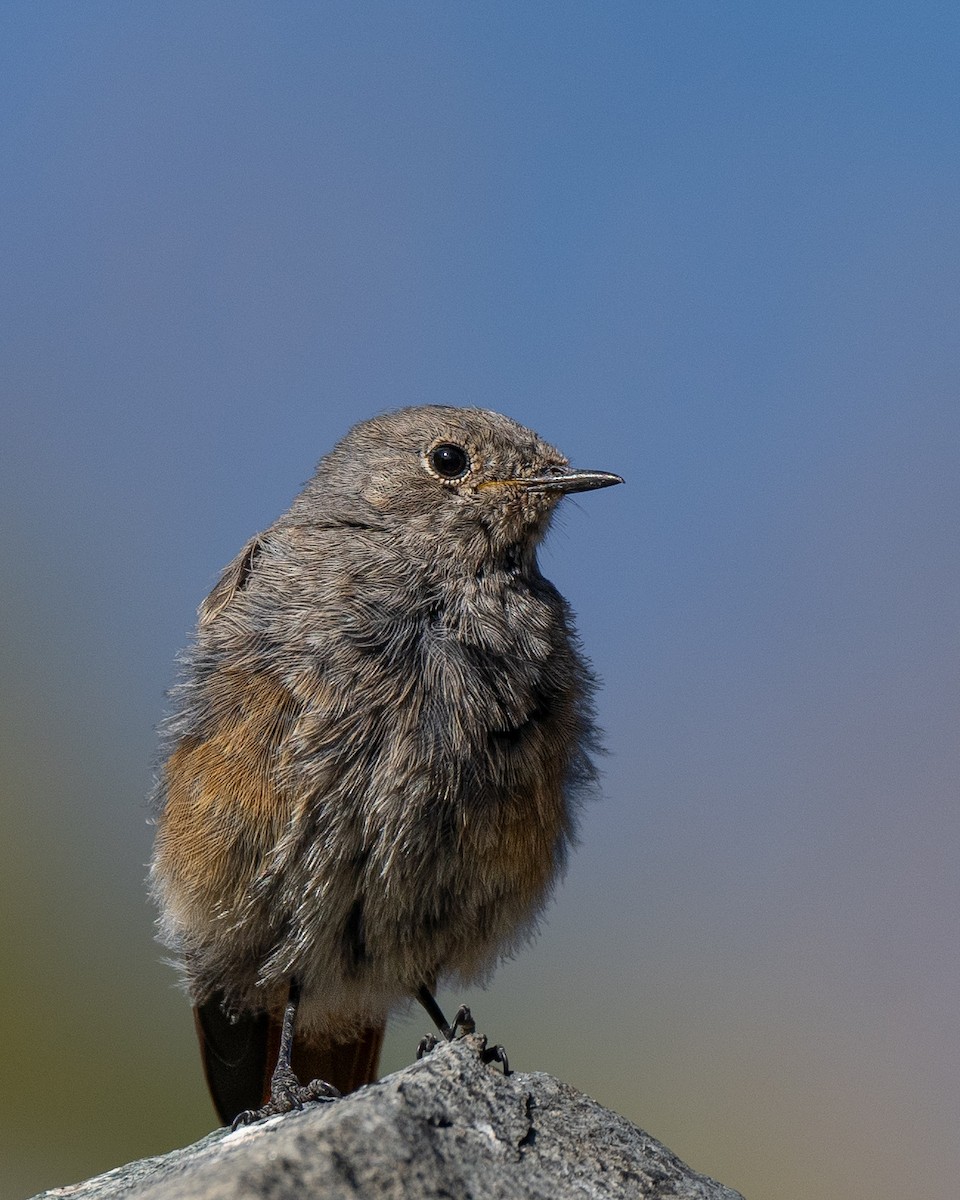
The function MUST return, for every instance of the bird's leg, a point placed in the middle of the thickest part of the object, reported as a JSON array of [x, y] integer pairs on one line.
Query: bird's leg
[[463, 1022], [286, 1090]]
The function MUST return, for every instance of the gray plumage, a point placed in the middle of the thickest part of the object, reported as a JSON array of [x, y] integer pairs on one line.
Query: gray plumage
[[382, 730]]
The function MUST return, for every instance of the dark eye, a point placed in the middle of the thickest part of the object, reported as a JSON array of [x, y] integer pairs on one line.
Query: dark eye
[[449, 461]]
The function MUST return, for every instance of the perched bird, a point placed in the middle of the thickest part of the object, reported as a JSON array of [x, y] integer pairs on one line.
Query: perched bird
[[380, 734]]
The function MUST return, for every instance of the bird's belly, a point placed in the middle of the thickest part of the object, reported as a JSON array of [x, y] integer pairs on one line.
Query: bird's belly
[[456, 893]]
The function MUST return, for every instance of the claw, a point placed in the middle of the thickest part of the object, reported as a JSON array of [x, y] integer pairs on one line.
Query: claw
[[426, 1044], [490, 1054], [463, 1022], [286, 1097]]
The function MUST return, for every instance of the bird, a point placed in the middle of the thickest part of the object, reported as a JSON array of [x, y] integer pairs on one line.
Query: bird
[[379, 741]]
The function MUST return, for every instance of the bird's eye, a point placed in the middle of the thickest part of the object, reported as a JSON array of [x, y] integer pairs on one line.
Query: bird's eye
[[449, 461]]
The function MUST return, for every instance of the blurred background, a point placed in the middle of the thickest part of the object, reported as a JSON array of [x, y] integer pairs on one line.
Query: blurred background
[[713, 247]]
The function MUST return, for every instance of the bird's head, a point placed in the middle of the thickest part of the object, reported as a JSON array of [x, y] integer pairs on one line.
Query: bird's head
[[457, 476]]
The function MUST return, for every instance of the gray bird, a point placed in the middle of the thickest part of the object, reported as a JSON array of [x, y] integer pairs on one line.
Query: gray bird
[[380, 736]]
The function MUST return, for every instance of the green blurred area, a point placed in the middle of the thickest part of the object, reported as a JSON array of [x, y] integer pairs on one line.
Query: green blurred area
[[96, 1066]]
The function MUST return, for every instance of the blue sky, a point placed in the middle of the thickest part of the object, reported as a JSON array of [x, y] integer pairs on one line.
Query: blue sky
[[711, 247]]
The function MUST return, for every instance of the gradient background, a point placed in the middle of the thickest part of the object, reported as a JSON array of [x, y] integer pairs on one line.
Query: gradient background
[[713, 247]]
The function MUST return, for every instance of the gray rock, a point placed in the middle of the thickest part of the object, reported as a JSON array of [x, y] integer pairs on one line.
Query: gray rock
[[447, 1126]]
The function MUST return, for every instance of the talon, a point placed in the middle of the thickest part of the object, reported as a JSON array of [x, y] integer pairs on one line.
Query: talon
[[463, 1021], [490, 1054], [319, 1089], [288, 1097], [426, 1044]]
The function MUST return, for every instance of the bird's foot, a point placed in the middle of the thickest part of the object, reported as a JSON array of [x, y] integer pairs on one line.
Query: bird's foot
[[463, 1023], [286, 1094]]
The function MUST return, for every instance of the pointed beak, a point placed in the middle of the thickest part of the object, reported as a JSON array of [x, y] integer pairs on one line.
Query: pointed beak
[[566, 479]]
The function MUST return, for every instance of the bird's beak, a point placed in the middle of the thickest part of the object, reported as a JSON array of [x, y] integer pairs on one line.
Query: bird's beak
[[566, 479]]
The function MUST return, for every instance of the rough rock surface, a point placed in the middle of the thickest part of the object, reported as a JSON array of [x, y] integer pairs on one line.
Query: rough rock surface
[[447, 1126]]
